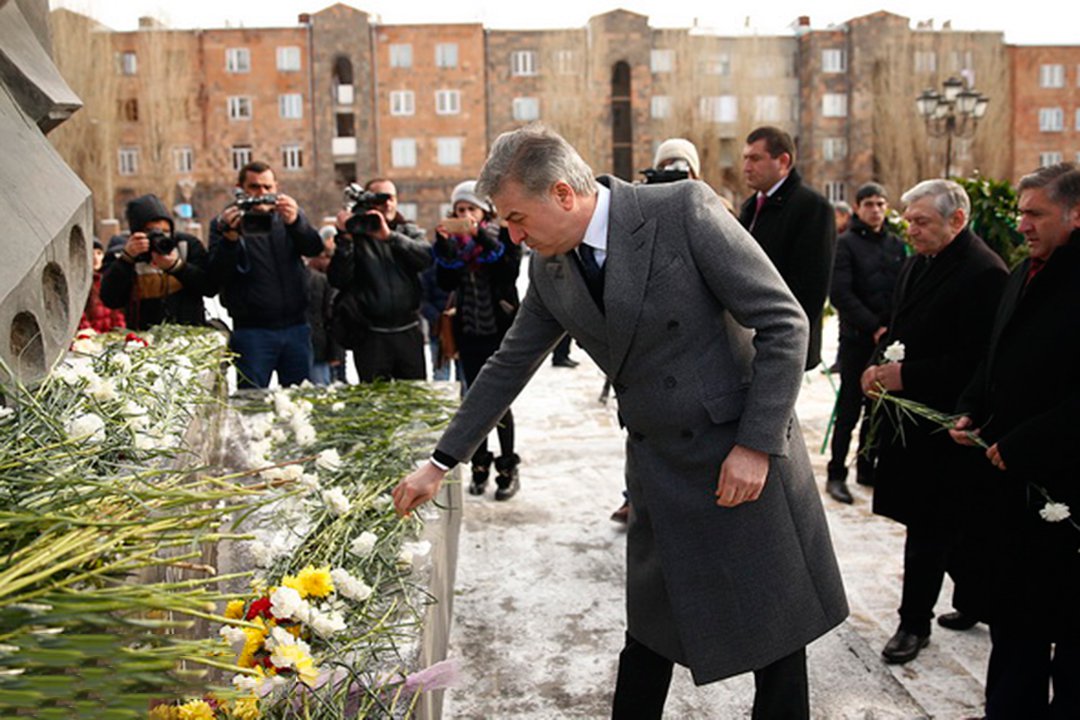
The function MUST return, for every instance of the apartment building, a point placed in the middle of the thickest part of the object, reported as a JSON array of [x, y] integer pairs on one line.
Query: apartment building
[[1046, 106]]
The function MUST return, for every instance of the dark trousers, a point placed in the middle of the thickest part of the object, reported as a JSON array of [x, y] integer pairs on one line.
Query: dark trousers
[[391, 356], [781, 688], [562, 350], [261, 351], [474, 351], [1022, 666], [928, 552], [854, 354]]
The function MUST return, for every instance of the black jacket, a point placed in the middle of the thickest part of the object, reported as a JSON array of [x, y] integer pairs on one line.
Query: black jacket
[[483, 272], [263, 281], [383, 276], [1024, 398], [797, 230], [149, 296], [942, 312], [864, 276]]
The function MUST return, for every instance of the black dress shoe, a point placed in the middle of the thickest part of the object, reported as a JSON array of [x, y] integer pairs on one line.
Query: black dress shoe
[[565, 363], [838, 491], [904, 647], [956, 621]]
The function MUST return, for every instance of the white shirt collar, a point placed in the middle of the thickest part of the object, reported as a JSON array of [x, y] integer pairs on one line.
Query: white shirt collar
[[597, 231], [776, 187]]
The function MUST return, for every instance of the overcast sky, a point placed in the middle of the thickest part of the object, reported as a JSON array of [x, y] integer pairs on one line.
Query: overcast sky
[[1034, 22]]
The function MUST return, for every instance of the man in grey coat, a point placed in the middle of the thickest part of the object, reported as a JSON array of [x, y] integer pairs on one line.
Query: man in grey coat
[[729, 563]]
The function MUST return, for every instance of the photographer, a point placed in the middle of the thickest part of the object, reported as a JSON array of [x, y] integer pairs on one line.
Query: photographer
[[376, 266], [154, 274], [256, 245]]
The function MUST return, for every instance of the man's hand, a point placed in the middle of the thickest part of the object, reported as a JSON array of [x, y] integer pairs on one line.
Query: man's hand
[[137, 244], [961, 432], [229, 221], [882, 377], [879, 333], [287, 208], [165, 262], [383, 233], [416, 489], [342, 218], [993, 454], [742, 476]]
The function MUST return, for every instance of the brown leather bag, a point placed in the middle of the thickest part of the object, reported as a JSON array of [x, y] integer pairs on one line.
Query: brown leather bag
[[444, 330]]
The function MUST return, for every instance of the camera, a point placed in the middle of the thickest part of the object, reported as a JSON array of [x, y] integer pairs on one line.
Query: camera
[[161, 243], [678, 170], [359, 201], [252, 221]]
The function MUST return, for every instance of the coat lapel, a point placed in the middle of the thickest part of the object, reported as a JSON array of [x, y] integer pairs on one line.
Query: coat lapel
[[626, 270], [941, 268]]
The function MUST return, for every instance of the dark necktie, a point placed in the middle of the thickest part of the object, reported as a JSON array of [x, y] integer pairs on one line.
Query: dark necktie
[[594, 274], [761, 197]]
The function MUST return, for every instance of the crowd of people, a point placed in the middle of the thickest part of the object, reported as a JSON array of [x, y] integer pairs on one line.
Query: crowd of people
[[703, 318]]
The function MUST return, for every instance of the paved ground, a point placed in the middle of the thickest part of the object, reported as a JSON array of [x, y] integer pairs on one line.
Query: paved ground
[[539, 603]]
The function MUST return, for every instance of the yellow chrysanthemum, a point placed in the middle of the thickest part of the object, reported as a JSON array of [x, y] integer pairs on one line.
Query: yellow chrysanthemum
[[235, 609], [254, 638], [292, 656], [310, 582], [246, 709], [164, 712], [196, 710]]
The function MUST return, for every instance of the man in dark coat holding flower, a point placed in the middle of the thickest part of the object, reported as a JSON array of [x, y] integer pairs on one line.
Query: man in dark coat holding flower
[[942, 311], [1024, 575]]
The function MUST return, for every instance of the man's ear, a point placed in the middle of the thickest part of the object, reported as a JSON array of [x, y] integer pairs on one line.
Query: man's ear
[[564, 195], [1074, 216]]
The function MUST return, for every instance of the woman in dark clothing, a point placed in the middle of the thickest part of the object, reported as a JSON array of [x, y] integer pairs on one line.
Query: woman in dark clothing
[[479, 264]]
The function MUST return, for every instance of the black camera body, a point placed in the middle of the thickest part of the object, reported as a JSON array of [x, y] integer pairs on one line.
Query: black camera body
[[160, 242], [359, 201], [252, 221], [667, 175]]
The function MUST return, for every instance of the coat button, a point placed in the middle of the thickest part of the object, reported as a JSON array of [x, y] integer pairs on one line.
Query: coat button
[[669, 382]]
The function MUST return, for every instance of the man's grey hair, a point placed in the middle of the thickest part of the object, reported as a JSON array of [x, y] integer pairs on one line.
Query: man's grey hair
[[536, 157], [1051, 178], [948, 197]]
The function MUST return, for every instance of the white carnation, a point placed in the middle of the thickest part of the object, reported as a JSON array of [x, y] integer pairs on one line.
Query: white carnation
[[121, 362], [338, 406], [895, 352], [327, 624], [349, 586], [412, 550], [88, 426], [6, 412], [328, 460], [1055, 512], [336, 501], [285, 602], [364, 544], [233, 635]]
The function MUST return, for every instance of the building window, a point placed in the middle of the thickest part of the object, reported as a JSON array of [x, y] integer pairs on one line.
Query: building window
[[291, 106], [129, 160], [403, 152], [446, 55], [448, 151], [660, 106], [925, 61], [833, 60], [447, 102], [237, 60], [835, 191], [239, 107], [288, 59], [526, 109], [834, 105], [129, 110], [401, 55], [962, 60], [402, 102], [719, 108], [1049, 158], [717, 64], [767, 108], [1078, 118], [241, 156], [183, 159], [523, 63], [662, 61], [834, 148], [409, 211], [127, 63], [1051, 76], [1051, 119], [292, 157], [566, 62]]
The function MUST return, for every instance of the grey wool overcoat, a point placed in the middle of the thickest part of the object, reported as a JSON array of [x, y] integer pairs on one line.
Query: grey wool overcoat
[[705, 346]]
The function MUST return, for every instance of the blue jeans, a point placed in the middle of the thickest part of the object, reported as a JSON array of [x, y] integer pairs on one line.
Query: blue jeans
[[320, 373], [261, 351]]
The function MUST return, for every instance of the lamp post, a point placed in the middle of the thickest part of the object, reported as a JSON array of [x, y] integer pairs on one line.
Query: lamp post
[[954, 112]]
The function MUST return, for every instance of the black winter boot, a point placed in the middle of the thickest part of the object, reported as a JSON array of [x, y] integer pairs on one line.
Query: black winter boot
[[507, 477], [481, 469]]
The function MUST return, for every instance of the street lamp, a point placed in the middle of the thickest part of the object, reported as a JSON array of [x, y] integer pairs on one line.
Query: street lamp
[[954, 112]]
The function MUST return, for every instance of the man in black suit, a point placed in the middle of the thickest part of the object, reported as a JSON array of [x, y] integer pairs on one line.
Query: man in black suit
[[942, 311], [1024, 574], [792, 223]]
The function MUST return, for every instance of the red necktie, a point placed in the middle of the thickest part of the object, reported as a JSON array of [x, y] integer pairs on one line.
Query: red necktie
[[757, 210]]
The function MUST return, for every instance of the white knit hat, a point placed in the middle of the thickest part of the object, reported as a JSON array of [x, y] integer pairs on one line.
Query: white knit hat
[[678, 149], [466, 191]]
